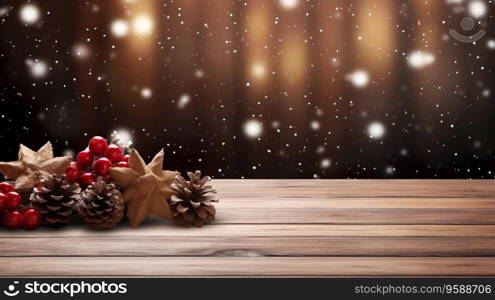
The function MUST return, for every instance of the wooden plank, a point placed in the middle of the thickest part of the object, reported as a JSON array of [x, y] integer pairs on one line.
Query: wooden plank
[[248, 246], [380, 183], [356, 188], [160, 228], [286, 228], [304, 215], [329, 202], [370, 216], [240, 266]]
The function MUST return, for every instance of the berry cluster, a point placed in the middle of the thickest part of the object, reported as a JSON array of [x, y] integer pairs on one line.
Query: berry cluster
[[96, 160], [13, 215]]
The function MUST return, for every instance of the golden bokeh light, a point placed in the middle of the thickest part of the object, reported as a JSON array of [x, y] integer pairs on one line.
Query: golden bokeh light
[[142, 25]]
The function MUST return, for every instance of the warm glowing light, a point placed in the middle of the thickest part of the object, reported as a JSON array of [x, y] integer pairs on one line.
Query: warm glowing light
[[37, 68], [325, 163], [4, 11], [359, 79], [477, 8], [146, 93], [258, 70], [183, 101], [120, 28], [419, 59], [142, 25], [80, 51], [389, 170], [289, 4], [29, 14], [315, 125], [491, 44], [376, 130], [199, 73], [253, 128]]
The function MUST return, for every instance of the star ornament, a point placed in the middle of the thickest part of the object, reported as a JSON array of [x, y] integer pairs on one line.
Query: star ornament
[[146, 187], [31, 166]]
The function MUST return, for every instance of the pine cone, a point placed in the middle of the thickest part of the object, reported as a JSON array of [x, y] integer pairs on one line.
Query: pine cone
[[192, 202], [101, 205], [55, 198]]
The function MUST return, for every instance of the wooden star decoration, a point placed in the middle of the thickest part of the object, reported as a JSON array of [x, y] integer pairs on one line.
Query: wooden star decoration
[[146, 187], [32, 165]]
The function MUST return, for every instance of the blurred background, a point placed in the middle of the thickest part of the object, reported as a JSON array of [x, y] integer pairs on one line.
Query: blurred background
[[257, 89]]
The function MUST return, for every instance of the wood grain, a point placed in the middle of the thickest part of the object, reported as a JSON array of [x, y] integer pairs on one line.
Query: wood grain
[[325, 215], [357, 188], [159, 228], [286, 228], [248, 246], [248, 266]]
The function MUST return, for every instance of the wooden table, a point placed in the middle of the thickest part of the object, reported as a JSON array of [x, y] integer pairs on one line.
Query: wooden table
[[286, 228]]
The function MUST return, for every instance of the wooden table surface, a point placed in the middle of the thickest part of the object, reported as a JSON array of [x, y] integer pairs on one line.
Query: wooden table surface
[[286, 228]]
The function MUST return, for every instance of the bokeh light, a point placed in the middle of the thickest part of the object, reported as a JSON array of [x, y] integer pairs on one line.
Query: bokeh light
[[376, 130], [289, 4], [122, 137], [183, 101], [142, 25], [29, 14], [37, 68], [253, 128], [359, 79], [81, 51], [477, 8], [120, 28], [258, 70], [420, 59], [146, 93]]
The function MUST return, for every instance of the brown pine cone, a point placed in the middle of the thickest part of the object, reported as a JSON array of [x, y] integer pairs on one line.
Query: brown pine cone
[[192, 202], [101, 205], [55, 198]]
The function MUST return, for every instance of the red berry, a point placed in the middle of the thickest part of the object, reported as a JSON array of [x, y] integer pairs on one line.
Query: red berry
[[122, 164], [85, 159], [31, 219], [13, 200], [98, 145], [114, 153], [102, 166], [12, 219], [125, 158], [86, 179], [72, 172], [6, 187], [3, 201]]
